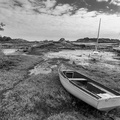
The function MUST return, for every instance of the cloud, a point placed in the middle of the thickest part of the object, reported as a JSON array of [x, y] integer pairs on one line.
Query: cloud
[[49, 7], [26, 11], [115, 2], [61, 7], [102, 0], [49, 3], [15, 5]]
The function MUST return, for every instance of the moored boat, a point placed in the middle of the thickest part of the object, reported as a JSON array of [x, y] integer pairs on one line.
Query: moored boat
[[88, 90], [96, 54]]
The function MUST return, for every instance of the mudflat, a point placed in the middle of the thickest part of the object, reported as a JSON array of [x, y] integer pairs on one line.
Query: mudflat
[[31, 90]]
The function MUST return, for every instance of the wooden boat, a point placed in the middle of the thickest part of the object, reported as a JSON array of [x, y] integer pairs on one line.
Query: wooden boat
[[88, 90]]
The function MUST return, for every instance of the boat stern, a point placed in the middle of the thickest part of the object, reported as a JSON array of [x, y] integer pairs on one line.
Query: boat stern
[[108, 104]]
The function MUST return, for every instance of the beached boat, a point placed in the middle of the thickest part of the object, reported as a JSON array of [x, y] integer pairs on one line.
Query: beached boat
[[88, 90]]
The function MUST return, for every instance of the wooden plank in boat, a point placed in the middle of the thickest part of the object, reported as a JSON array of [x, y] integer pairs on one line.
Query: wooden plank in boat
[[85, 90], [81, 79], [105, 95]]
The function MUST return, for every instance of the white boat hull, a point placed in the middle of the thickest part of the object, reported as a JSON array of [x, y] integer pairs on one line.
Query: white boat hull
[[77, 92], [100, 104]]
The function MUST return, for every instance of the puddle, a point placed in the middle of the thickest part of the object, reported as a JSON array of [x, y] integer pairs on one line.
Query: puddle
[[13, 52], [82, 57], [9, 51], [44, 68], [79, 54], [39, 70]]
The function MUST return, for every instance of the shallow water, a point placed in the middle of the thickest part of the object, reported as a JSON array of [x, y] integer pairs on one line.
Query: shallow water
[[82, 57], [13, 52], [43, 68], [39, 70], [9, 51]]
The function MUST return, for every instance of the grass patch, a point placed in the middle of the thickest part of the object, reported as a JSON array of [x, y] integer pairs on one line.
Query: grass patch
[[42, 97], [72, 115], [39, 95], [14, 70]]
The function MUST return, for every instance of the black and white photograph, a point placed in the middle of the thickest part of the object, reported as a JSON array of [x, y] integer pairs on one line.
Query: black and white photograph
[[59, 59]]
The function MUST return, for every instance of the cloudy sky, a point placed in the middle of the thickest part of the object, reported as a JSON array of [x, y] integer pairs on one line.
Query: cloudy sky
[[54, 19]]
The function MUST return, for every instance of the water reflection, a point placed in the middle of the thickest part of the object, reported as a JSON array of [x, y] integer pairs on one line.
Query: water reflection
[[9, 51]]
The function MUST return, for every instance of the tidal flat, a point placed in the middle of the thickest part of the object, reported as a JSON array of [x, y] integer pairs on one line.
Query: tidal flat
[[31, 89]]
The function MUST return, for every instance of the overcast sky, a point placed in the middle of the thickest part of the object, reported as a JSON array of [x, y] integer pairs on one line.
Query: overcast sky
[[55, 19]]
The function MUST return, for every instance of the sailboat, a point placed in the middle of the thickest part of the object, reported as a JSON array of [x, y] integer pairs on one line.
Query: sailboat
[[96, 54]]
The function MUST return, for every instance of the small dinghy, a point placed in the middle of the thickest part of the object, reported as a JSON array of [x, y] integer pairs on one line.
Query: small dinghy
[[88, 90]]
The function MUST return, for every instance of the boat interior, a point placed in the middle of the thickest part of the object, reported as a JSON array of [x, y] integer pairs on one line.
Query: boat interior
[[88, 85]]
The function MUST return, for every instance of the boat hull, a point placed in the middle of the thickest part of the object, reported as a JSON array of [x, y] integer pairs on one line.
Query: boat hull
[[100, 104], [77, 92]]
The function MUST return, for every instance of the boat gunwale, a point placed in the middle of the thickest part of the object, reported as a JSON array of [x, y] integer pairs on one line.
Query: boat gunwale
[[85, 90], [91, 80]]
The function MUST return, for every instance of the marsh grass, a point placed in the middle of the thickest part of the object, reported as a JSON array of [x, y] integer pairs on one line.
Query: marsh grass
[[13, 70], [41, 97], [72, 115]]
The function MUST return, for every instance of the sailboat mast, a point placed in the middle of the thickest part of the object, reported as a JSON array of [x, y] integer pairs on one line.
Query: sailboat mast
[[98, 34]]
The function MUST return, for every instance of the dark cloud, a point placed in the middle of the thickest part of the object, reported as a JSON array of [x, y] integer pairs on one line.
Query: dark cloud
[[79, 3], [17, 3], [76, 4], [1, 26], [92, 5], [102, 7], [1, 29], [36, 3], [99, 6]]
